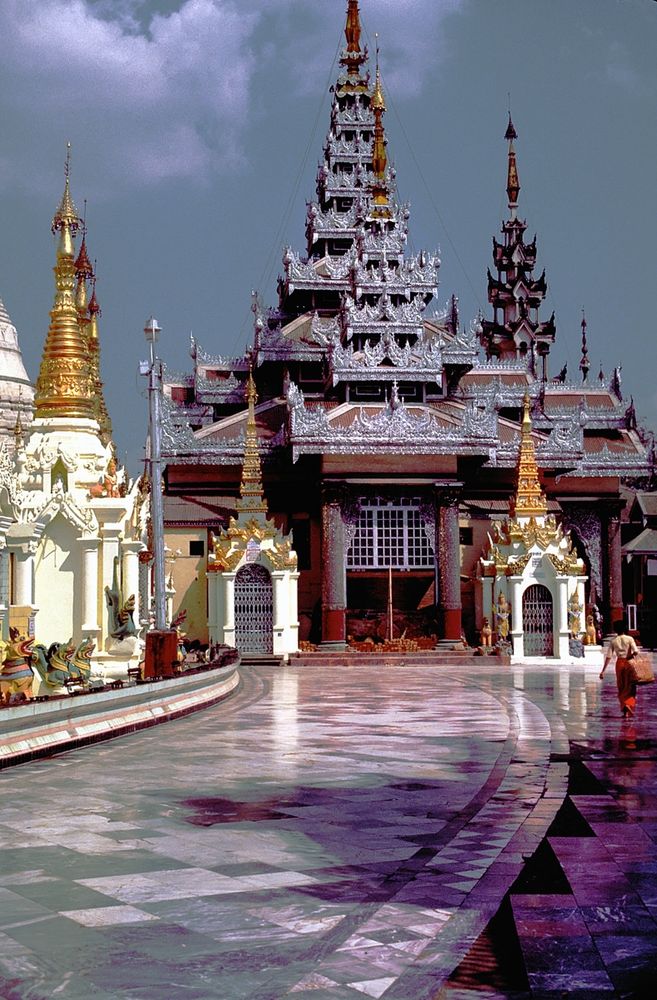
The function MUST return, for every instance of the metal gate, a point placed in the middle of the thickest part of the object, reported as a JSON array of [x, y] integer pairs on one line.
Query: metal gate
[[538, 621], [254, 610]]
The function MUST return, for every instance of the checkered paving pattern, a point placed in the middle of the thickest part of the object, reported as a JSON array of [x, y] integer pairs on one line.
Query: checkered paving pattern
[[342, 833]]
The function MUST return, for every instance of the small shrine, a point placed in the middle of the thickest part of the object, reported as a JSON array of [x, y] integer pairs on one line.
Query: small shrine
[[68, 514], [530, 581], [252, 568]]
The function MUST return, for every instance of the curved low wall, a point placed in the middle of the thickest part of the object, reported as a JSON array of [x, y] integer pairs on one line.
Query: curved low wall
[[42, 728]]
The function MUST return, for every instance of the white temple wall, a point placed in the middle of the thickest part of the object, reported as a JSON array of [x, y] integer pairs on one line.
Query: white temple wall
[[190, 580], [57, 564]]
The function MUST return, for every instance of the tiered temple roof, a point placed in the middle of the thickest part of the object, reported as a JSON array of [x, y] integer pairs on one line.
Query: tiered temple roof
[[352, 361], [515, 294]]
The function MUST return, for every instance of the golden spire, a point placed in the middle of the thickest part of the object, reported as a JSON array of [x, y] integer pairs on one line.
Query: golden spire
[[84, 272], [353, 57], [251, 496], [64, 387], [529, 500], [93, 344], [512, 180], [379, 155]]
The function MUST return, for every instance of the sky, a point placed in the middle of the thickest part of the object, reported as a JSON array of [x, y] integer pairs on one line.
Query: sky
[[196, 130]]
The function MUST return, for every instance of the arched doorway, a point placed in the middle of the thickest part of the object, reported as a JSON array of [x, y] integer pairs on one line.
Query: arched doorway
[[537, 621], [254, 610]]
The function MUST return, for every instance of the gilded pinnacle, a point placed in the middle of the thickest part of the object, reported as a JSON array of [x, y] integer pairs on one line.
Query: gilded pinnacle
[[512, 179], [66, 214], [530, 500], [251, 493], [65, 385]]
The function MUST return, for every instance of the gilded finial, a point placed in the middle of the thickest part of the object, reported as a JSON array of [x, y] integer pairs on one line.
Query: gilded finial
[[512, 180], [378, 100], [352, 29], [84, 272], [251, 493], [584, 365], [66, 214], [64, 387], [100, 412], [379, 155], [529, 500], [353, 56]]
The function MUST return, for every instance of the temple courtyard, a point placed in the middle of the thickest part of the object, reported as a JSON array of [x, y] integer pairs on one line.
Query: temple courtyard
[[407, 832]]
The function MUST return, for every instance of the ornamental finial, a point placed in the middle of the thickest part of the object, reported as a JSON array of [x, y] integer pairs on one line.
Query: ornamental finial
[[352, 29], [584, 365], [379, 155], [100, 406], [84, 272], [64, 387], [378, 100], [512, 180], [66, 215], [251, 493], [529, 500]]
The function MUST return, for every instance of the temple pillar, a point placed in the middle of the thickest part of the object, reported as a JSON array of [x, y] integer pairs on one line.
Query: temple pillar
[[487, 584], [24, 576], [448, 555], [562, 632], [226, 608], [613, 563], [130, 555], [516, 630], [90, 589], [145, 560], [334, 574]]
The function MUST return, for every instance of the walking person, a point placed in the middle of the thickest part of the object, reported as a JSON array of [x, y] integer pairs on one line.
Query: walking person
[[623, 647]]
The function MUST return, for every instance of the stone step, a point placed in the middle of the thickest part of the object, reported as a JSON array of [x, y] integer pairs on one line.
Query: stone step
[[423, 658], [260, 660]]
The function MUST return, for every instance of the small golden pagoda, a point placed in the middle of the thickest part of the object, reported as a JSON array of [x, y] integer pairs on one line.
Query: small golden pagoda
[[64, 387], [529, 568], [252, 567]]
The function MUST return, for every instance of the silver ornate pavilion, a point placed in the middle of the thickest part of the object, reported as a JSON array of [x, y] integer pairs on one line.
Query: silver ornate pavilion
[[389, 432]]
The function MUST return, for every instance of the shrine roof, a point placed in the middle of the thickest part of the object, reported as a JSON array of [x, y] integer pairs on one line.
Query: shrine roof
[[299, 329], [595, 400], [501, 507], [625, 444], [194, 510], [518, 377], [269, 416], [645, 544], [647, 503]]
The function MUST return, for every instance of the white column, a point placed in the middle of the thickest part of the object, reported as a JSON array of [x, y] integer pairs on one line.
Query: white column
[[487, 599], [515, 600], [281, 611], [293, 603], [130, 553], [90, 595], [226, 616], [581, 597], [23, 577], [561, 630], [213, 607], [110, 537]]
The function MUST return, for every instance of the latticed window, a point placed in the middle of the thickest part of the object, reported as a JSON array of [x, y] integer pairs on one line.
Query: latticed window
[[390, 533]]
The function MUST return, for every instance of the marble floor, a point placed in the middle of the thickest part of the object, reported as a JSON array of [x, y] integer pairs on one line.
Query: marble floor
[[410, 833]]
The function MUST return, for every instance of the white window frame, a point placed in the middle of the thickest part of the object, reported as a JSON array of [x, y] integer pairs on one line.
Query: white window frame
[[390, 533]]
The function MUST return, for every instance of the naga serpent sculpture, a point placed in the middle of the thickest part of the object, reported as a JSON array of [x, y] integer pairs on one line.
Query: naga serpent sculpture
[[16, 675]]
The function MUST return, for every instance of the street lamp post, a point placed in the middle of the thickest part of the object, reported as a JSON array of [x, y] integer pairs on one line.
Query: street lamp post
[[152, 332]]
